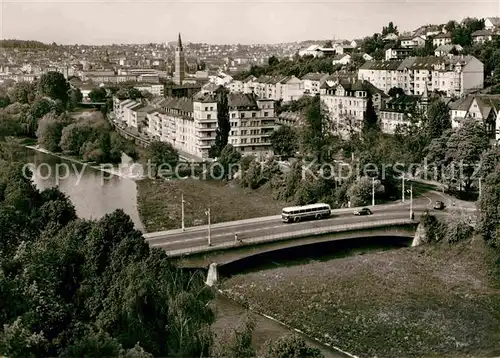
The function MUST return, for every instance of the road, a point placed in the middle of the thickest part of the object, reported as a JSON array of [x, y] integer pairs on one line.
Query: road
[[225, 233]]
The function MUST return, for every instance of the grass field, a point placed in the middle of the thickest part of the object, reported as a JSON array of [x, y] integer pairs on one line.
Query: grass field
[[412, 302], [159, 203]]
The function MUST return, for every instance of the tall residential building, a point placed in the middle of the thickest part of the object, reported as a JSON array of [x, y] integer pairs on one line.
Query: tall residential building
[[453, 75], [180, 63], [190, 124], [346, 104]]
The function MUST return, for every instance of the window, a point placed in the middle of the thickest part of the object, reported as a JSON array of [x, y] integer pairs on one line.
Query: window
[[242, 115], [266, 114], [211, 108], [253, 114], [206, 108], [209, 116], [233, 115]]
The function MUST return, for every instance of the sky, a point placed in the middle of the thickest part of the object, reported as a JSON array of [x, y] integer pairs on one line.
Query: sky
[[223, 21]]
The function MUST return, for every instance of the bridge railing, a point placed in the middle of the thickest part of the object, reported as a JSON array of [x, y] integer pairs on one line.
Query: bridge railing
[[292, 235]]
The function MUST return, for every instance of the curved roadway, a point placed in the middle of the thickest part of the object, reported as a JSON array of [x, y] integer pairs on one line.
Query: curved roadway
[[224, 233]]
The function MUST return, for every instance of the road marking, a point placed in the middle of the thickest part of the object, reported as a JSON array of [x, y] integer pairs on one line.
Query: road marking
[[430, 201]]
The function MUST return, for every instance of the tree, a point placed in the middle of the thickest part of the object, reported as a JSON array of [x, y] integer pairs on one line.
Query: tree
[[54, 85], [223, 125], [450, 26], [360, 192], [236, 341], [273, 61], [40, 108], [228, 157], [50, 130], [22, 92], [390, 29], [465, 148], [290, 346], [316, 137], [396, 91], [4, 101], [438, 119], [370, 119], [75, 97], [97, 95], [284, 141], [489, 206], [162, 156], [134, 93]]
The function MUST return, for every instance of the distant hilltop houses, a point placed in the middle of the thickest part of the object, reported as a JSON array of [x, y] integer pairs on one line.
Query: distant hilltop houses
[[398, 72]]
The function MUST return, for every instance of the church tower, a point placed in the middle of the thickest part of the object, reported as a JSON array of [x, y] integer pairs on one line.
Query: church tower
[[179, 63]]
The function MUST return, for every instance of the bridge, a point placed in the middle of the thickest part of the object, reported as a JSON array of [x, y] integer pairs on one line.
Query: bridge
[[194, 242]]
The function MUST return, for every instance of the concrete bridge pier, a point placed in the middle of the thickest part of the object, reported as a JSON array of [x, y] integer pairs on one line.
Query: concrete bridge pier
[[213, 275]]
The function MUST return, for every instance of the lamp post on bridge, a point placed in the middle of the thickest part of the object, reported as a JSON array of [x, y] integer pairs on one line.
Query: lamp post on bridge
[[209, 238], [182, 212], [373, 191], [411, 201]]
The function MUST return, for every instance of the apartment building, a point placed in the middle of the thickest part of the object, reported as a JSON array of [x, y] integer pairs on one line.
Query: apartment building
[[156, 89], [441, 39], [312, 82], [412, 41], [190, 124], [453, 75], [397, 53], [398, 111], [346, 103], [292, 89], [482, 108], [482, 36], [252, 121]]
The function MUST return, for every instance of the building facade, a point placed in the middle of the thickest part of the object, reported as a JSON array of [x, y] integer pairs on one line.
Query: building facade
[[482, 108], [453, 75], [190, 124], [346, 104]]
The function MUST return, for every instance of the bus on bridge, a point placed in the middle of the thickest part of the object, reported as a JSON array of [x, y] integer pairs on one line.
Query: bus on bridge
[[298, 213]]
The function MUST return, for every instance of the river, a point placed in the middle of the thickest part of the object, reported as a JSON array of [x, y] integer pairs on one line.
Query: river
[[95, 193]]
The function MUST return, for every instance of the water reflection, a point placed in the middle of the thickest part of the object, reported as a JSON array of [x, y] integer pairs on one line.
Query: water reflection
[[94, 193]]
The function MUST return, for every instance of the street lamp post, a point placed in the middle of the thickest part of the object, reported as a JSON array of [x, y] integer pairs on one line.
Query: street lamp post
[[411, 201], [209, 239], [403, 188], [373, 191], [182, 211]]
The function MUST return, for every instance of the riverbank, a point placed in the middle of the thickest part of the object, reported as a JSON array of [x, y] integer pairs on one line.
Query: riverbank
[[413, 302], [159, 203]]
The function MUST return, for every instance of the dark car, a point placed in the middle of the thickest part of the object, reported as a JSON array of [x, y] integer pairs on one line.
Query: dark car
[[364, 211], [439, 205]]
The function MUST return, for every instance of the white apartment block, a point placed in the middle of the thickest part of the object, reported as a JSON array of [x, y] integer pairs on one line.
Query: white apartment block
[[482, 108], [453, 75], [412, 41], [190, 124], [271, 87], [482, 36], [441, 39], [154, 89], [313, 82], [346, 103]]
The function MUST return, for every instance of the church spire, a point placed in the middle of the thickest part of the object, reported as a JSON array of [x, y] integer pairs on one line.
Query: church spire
[[179, 42]]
